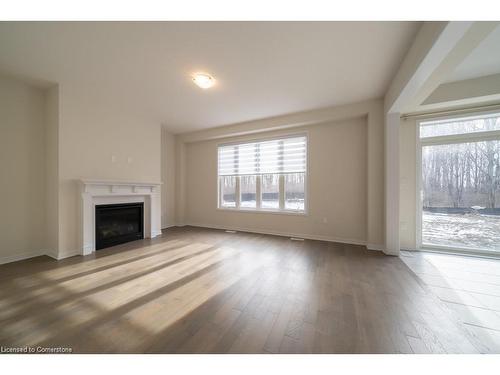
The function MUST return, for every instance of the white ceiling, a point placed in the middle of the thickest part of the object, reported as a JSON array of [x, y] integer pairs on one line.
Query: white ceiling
[[262, 69], [483, 61]]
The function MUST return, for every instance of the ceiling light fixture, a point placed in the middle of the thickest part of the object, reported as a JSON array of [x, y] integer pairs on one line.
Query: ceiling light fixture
[[203, 80]]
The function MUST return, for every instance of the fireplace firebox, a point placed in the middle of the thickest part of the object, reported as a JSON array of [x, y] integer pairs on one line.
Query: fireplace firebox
[[118, 223]]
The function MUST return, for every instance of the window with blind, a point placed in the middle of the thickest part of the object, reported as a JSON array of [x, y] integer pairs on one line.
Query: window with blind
[[268, 175]]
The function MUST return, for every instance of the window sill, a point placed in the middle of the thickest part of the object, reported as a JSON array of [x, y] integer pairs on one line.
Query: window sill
[[263, 211]]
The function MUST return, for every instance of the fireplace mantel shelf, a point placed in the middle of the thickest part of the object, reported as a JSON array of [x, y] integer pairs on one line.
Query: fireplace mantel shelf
[[115, 185], [118, 182]]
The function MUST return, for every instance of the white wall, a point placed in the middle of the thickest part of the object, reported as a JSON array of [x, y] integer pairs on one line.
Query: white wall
[[52, 170], [337, 186], [60, 135], [91, 132], [22, 170], [168, 179], [53, 137], [371, 111], [333, 141], [408, 184]]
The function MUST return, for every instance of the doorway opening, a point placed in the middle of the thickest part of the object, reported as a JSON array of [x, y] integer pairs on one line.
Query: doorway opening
[[459, 184]]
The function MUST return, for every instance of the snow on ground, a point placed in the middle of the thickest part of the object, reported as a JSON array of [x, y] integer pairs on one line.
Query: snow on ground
[[469, 230], [290, 204]]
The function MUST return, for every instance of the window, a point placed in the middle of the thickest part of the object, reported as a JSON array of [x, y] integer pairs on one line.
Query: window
[[467, 125], [268, 175], [228, 191], [270, 187], [248, 191], [294, 191], [460, 183]]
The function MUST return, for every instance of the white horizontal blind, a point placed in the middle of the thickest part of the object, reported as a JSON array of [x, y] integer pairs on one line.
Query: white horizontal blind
[[282, 155]]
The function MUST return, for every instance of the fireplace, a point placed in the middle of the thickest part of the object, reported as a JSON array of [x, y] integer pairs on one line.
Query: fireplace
[[118, 223], [118, 192]]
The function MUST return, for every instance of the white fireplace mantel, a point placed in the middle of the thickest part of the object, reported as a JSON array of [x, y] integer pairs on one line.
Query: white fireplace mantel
[[96, 192]]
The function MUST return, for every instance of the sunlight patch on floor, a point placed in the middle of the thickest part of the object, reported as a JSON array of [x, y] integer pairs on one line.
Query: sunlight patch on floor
[[107, 260], [174, 305]]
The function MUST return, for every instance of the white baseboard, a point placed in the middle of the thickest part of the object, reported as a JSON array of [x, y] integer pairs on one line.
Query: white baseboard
[[375, 247], [68, 255], [58, 256], [349, 241], [31, 254], [155, 234], [21, 256], [170, 226], [51, 253]]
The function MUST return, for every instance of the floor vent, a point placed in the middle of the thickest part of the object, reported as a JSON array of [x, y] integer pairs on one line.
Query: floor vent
[[296, 239], [230, 231]]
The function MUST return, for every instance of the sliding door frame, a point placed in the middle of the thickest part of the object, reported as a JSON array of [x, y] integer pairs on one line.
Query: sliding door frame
[[444, 140]]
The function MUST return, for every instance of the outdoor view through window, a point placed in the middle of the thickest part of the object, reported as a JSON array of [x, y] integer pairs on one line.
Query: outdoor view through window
[[461, 183], [266, 175]]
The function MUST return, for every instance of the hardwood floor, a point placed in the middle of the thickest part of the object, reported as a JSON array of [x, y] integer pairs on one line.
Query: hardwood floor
[[206, 291], [469, 287]]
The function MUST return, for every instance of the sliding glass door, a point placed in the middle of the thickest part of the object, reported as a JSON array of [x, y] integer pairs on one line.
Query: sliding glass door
[[460, 184]]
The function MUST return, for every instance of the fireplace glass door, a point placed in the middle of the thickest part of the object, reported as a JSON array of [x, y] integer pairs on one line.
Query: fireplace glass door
[[118, 223]]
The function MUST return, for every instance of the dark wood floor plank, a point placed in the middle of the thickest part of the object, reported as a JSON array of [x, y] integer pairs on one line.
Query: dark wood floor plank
[[197, 290]]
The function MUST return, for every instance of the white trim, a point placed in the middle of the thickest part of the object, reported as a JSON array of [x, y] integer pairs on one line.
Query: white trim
[[155, 233], [237, 192], [62, 256], [85, 181], [33, 254], [453, 113], [392, 184], [282, 192], [52, 254], [21, 256], [460, 251], [440, 140], [375, 247], [258, 192], [409, 249], [55, 256], [94, 192], [348, 241], [479, 136], [264, 211], [418, 188], [169, 226], [458, 138]]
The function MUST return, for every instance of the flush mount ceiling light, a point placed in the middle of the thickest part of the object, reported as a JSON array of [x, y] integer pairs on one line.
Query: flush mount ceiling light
[[203, 80]]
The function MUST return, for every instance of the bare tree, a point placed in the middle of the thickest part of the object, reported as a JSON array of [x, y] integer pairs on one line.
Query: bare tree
[[463, 174]]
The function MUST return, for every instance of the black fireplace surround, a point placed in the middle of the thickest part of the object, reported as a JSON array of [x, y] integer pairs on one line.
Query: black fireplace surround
[[118, 223]]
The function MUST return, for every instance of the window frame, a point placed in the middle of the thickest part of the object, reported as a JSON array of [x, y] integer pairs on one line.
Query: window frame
[[258, 209], [493, 135]]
